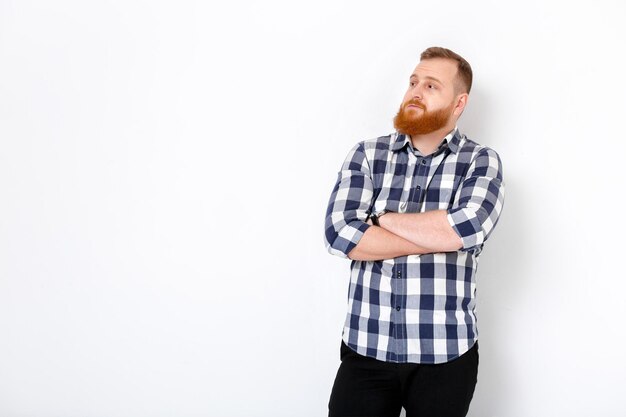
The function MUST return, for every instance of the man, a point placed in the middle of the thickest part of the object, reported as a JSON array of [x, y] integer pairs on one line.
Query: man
[[412, 211]]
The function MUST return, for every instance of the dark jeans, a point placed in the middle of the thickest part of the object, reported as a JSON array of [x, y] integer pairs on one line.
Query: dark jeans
[[366, 387]]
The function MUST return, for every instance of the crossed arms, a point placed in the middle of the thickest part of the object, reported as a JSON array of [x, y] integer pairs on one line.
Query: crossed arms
[[406, 234], [464, 226]]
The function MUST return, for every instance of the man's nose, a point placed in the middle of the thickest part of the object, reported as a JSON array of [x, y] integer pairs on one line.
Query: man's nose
[[417, 92]]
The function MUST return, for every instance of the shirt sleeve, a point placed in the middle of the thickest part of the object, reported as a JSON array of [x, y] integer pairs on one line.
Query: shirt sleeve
[[476, 210], [350, 204]]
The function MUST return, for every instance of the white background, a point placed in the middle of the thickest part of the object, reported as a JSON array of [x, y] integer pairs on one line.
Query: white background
[[164, 174]]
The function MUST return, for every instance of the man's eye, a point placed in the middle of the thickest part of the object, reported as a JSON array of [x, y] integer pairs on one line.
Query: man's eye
[[411, 84], [431, 86]]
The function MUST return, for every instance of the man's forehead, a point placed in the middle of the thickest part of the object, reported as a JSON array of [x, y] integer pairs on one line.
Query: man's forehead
[[439, 68]]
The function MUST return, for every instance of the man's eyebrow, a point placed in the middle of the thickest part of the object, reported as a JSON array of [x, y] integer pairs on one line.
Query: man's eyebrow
[[426, 77]]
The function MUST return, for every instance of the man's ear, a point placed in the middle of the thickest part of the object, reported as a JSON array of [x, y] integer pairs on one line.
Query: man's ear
[[460, 103]]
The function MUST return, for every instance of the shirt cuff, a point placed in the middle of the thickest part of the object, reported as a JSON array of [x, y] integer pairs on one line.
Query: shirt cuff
[[467, 225], [348, 237]]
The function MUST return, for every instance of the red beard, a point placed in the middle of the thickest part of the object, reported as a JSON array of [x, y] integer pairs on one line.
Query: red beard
[[408, 122]]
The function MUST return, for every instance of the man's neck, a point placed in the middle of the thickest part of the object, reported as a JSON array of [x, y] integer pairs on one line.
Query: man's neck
[[429, 143]]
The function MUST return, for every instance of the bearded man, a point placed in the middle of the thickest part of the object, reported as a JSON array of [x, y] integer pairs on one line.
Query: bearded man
[[412, 210]]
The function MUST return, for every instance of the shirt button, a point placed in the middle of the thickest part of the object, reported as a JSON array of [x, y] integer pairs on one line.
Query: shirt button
[[423, 162], [398, 308]]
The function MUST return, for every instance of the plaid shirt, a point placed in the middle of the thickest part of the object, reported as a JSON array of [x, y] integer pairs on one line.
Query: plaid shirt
[[415, 308]]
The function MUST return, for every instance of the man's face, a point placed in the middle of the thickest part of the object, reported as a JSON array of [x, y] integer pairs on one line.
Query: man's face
[[431, 102]]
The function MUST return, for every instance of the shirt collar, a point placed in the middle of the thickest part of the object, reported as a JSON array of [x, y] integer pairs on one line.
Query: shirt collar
[[452, 140]]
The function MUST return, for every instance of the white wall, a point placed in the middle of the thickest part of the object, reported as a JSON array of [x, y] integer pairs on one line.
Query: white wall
[[165, 169]]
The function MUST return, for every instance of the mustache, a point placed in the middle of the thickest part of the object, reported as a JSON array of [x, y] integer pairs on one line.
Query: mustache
[[415, 103]]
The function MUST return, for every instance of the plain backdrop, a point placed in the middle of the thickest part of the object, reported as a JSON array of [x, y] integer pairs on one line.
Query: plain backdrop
[[164, 174]]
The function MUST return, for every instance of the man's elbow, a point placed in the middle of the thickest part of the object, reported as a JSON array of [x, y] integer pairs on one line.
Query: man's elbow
[[336, 252], [335, 245], [331, 247], [355, 254], [341, 241]]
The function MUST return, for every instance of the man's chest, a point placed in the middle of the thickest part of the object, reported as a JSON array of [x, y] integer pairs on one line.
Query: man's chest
[[408, 183]]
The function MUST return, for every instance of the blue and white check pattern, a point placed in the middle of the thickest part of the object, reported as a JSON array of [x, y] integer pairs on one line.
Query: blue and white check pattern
[[415, 308]]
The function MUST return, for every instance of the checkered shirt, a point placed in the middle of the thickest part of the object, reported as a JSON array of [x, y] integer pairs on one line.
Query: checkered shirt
[[415, 308]]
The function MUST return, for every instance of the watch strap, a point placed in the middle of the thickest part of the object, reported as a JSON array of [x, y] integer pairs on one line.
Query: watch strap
[[375, 217]]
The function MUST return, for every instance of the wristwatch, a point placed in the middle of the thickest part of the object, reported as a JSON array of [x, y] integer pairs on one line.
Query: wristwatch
[[375, 216]]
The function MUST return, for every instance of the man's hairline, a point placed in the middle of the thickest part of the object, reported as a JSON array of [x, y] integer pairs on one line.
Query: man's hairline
[[457, 79]]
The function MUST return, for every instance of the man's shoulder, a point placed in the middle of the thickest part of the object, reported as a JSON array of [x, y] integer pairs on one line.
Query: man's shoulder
[[472, 148], [372, 149], [380, 142]]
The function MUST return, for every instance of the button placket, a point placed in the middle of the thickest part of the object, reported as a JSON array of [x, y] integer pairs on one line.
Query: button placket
[[418, 184], [398, 275], [408, 195]]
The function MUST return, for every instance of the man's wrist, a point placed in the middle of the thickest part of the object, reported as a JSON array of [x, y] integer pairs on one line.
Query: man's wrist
[[384, 220], [375, 218]]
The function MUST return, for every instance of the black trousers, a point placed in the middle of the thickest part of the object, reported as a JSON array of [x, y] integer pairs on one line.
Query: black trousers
[[366, 387]]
